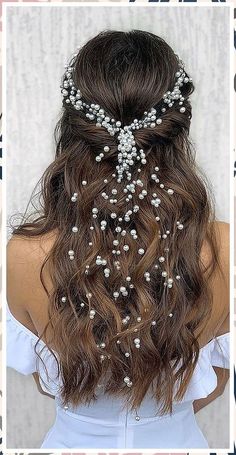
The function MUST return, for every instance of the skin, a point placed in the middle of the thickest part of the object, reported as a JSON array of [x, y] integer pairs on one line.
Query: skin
[[28, 300]]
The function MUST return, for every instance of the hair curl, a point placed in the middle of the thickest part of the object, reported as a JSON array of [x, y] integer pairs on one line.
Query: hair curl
[[126, 74]]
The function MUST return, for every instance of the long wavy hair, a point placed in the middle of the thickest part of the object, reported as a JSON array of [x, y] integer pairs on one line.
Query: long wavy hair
[[126, 73]]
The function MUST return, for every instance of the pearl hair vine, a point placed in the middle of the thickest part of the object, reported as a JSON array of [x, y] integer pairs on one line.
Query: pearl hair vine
[[128, 155], [127, 149]]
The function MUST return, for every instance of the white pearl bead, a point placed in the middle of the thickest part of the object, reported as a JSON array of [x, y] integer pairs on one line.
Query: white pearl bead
[[106, 148], [127, 354], [161, 259], [182, 109], [84, 182], [153, 322], [177, 277], [158, 121], [63, 299], [126, 379], [126, 247], [74, 229], [170, 191], [141, 251]]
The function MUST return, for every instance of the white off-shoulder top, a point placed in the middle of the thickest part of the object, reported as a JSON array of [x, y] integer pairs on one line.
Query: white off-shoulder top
[[106, 423]]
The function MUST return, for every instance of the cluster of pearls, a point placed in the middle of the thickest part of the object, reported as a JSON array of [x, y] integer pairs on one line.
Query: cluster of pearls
[[92, 314], [180, 226], [71, 254], [74, 197], [126, 320], [100, 261], [128, 155], [101, 155], [137, 342], [107, 272], [127, 381], [171, 96]]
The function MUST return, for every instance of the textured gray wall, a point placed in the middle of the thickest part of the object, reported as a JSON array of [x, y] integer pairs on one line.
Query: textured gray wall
[[39, 43]]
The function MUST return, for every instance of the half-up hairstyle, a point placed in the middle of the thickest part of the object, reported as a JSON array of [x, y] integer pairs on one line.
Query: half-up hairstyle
[[127, 301]]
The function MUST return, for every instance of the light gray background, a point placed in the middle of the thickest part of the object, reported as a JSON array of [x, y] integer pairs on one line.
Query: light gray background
[[39, 42]]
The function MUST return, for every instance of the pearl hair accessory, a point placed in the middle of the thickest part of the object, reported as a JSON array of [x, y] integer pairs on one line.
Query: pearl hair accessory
[[127, 157], [128, 152]]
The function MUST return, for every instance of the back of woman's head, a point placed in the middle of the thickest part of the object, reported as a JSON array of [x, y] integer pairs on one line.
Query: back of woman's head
[[130, 291]]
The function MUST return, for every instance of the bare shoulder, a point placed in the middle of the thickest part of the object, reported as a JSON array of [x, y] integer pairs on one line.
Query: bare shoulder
[[25, 258], [30, 248], [222, 231], [219, 282]]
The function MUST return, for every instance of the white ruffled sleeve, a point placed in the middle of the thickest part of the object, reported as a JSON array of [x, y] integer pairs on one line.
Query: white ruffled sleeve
[[20, 343], [220, 354], [204, 379]]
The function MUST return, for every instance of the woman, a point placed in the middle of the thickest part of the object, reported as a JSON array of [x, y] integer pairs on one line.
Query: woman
[[118, 290]]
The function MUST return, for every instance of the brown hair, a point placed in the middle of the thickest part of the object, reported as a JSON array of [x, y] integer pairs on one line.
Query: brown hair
[[126, 73]]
